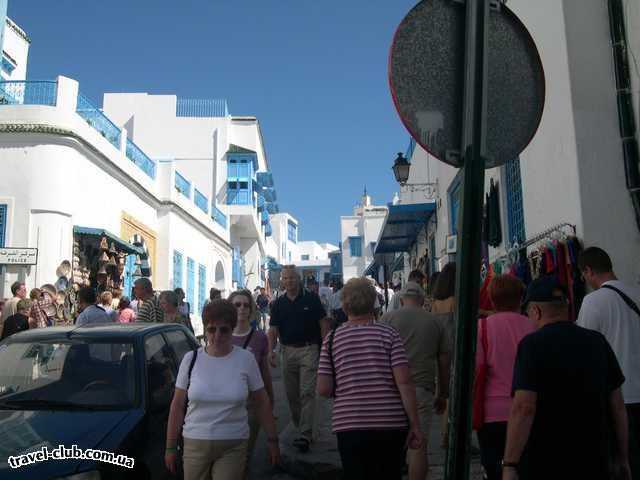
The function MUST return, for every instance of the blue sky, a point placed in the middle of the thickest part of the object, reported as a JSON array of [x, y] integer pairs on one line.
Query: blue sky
[[314, 73]]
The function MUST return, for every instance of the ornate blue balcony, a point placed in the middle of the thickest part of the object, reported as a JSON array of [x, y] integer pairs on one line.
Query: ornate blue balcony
[[201, 201], [28, 92], [183, 185], [141, 159], [219, 217], [98, 120]]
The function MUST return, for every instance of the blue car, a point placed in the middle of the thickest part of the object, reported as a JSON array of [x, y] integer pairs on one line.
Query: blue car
[[88, 403]]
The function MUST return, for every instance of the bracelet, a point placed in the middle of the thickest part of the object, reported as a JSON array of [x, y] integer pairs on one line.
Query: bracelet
[[509, 464], [171, 449]]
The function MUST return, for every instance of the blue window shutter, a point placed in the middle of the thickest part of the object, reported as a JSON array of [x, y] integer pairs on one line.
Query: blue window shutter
[[3, 224], [355, 246], [202, 286], [191, 281], [177, 269], [515, 209]]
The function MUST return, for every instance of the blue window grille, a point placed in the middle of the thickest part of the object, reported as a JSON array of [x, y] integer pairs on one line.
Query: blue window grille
[[201, 201], [177, 269], [28, 92], [191, 281], [292, 231], [239, 181], [183, 185], [202, 286], [206, 107], [238, 268], [355, 246], [454, 194], [219, 217], [3, 225], [7, 65], [140, 159], [98, 120], [515, 209]]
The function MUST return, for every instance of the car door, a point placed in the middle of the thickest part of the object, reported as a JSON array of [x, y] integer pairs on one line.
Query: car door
[[161, 378]]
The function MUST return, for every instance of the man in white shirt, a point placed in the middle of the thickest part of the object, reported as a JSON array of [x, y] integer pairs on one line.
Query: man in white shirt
[[19, 292], [613, 310]]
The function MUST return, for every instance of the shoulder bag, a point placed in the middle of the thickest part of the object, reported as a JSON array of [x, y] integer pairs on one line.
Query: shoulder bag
[[333, 367], [632, 305], [480, 381]]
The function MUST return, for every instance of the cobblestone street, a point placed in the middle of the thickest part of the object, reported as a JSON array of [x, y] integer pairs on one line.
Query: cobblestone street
[[323, 461]]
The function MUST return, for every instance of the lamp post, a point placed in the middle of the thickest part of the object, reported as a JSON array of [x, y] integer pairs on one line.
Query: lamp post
[[401, 168]]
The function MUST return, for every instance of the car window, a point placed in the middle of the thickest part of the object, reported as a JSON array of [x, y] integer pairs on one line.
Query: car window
[[161, 371], [179, 343], [78, 373]]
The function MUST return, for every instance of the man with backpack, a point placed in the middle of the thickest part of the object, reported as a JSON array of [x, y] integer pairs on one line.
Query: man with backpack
[[613, 310]]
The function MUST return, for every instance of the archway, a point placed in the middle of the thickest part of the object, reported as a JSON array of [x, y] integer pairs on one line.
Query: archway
[[219, 280]]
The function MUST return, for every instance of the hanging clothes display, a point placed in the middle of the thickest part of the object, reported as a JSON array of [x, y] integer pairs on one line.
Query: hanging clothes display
[[552, 253]]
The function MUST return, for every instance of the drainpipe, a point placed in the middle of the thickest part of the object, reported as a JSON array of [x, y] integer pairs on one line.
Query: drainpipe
[[624, 97]]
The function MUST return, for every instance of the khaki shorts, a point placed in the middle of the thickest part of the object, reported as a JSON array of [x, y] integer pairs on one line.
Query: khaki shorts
[[424, 400], [214, 459]]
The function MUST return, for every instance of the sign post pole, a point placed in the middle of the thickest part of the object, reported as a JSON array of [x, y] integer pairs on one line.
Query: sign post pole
[[473, 151]]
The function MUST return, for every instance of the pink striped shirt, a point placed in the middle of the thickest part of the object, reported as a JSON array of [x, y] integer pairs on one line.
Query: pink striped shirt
[[367, 397]]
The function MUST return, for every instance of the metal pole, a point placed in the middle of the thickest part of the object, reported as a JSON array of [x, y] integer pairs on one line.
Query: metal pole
[[468, 266]]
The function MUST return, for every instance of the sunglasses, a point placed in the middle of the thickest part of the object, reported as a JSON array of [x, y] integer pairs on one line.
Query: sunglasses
[[224, 330], [241, 305]]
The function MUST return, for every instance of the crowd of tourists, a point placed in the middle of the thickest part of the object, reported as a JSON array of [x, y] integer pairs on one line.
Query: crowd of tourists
[[553, 398]]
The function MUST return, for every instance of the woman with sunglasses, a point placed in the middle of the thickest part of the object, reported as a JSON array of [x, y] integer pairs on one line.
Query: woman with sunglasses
[[252, 339], [216, 427]]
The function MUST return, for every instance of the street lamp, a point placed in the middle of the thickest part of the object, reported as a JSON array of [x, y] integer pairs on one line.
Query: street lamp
[[401, 168]]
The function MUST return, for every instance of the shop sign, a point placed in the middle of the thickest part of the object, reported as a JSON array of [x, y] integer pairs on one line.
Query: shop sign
[[18, 256]]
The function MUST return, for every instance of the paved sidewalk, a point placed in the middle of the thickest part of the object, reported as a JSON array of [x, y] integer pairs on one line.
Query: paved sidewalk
[[322, 462]]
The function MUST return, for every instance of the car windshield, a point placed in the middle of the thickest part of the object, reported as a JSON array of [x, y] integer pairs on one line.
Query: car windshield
[[66, 375]]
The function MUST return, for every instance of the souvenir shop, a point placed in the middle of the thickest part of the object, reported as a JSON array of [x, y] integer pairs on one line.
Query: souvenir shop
[[552, 252]]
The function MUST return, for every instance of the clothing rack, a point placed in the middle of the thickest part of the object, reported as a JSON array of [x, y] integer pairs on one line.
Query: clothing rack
[[512, 253]]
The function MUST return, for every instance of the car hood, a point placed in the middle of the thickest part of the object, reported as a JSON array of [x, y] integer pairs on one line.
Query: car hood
[[31, 430]]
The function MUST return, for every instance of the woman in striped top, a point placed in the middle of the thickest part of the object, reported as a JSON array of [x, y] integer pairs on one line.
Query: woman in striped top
[[364, 365]]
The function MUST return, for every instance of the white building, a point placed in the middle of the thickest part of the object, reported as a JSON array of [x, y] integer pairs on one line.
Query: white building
[[220, 162], [359, 235], [314, 261], [285, 235], [15, 52], [573, 172], [72, 176]]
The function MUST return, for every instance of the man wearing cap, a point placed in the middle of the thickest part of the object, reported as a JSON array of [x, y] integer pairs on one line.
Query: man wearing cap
[[567, 398], [427, 345]]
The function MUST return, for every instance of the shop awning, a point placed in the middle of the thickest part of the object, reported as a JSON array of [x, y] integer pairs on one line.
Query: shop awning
[[100, 232], [402, 225]]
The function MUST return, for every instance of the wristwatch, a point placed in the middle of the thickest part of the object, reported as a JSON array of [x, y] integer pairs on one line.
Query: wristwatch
[[506, 464]]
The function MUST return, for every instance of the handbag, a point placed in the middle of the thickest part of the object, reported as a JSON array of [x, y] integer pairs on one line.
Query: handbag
[[480, 381], [186, 406]]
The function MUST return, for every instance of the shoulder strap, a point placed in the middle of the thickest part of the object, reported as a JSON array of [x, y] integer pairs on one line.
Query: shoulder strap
[[193, 362], [330, 353], [246, 342], [632, 305]]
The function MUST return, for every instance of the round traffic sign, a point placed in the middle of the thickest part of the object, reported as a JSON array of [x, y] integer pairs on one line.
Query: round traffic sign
[[426, 75]]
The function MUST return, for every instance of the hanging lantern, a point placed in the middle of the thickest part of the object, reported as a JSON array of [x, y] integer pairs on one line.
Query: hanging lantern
[[138, 261], [120, 269], [104, 258], [112, 262], [113, 250], [102, 271], [137, 272], [104, 245]]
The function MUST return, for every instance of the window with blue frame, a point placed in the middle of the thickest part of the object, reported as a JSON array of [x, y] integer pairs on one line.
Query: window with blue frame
[[355, 246], [515, 209], [202, 286], [3, 224], [304, 257], [292, 231], [7, 65], [240, 181], [191, 281], [454, 204], [177, 269]]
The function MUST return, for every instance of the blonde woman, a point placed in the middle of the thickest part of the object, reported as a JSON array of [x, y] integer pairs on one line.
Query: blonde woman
[[255, 341]]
